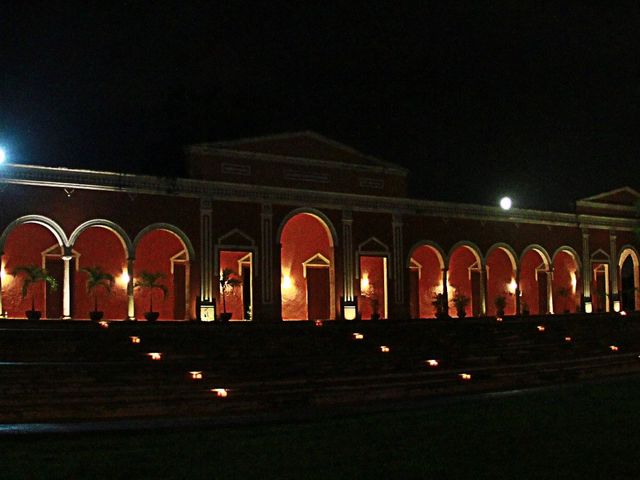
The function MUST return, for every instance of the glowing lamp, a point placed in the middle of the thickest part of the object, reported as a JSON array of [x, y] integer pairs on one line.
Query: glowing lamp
[[432, 362], [103, 324], [540, 328], [287, 283], [384, 349], [616, 305], [124, 278], [613, 348], [134, 339], [155, 355], [358, 336], [511, 286], [349, 312], [505, 203], [3, 273], [318, 323], [465, 376], [623, 313], [220, 392], [195, 375], [567, 339], [207, 311], [498, 319], [588, 307], [364, 282]]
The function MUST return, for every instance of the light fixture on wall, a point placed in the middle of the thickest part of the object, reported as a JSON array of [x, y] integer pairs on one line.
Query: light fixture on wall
[[511, 286], [588, 307], [616, 305]]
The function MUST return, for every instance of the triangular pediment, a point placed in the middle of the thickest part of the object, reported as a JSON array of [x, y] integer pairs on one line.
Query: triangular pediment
[[304, 145], [625, 196], [373, 246], [236, 237]]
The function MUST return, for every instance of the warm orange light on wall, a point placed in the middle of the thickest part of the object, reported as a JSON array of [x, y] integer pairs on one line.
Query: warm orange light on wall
[[511, 287], [384, 349], [364, 283], [432, 363], [574, 282], [124, 277], [465, 376], [155, 355], [358, 336], [287, 283], [134, 339], [220, 392], [3, 273], [195, 375]]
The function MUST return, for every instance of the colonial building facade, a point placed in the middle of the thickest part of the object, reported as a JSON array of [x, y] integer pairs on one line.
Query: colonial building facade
[[311, 229]]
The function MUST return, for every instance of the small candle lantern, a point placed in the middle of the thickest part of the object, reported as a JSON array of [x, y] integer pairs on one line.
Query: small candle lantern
[[465, 376], [540, 328], [134, 339], [358, 336], [155, 355], [220, 392], [195, 375], [432, 362], [384, 349]]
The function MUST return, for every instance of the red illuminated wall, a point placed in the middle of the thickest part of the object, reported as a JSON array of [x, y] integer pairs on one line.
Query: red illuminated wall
[[499, 276], [100, 247], [528, 283], [229, 259], [430, 281], [459, 263], [153, 255], [302, 237], [23, 247], [563, 266], [372, 268]]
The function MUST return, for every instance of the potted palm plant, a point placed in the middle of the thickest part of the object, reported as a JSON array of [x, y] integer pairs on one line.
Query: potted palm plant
[[31, 275], [96, 277], [500, 302], [461, 301], [440, 304], [149, 281], [228, 282]]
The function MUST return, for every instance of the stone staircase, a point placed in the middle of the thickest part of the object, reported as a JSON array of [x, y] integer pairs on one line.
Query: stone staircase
[[56, 371]]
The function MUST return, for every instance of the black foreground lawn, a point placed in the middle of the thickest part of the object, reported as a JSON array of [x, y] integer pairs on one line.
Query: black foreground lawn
[[582, 432]]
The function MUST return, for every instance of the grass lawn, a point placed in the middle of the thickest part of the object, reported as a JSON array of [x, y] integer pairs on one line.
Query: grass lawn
[[581, 432]]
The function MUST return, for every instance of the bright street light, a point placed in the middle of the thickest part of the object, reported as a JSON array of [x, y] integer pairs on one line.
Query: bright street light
[[505, 203], [3, 155]]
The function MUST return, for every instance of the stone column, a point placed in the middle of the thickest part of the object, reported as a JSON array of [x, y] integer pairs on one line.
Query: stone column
[[347, 255], [484, 291], [131, 313], [398, 261], [586, 269], [614, 298], [445, 291], [266, 247], [66, 284], [550, 290], [206, 248], [517, 291]]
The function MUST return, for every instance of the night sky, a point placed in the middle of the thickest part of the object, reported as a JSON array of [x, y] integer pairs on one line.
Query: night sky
[[539, 100]]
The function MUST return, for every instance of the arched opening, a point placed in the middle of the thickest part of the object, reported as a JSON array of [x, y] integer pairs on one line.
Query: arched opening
[[100, 247], [501, 281], [161, 250], [465, 280], [27, 244], [307, 269], [629, 279], [567, 282], [535, 282], [425, 280]]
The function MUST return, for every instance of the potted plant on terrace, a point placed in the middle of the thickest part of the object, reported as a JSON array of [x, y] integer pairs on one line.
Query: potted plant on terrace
[[96, 277], [228, 282], [440, 304], [375, 307], [31, 275], [461, 301], [500, 302], [149, 281]]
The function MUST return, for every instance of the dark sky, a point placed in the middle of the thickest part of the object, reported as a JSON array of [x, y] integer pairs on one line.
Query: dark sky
[[536, 99]]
